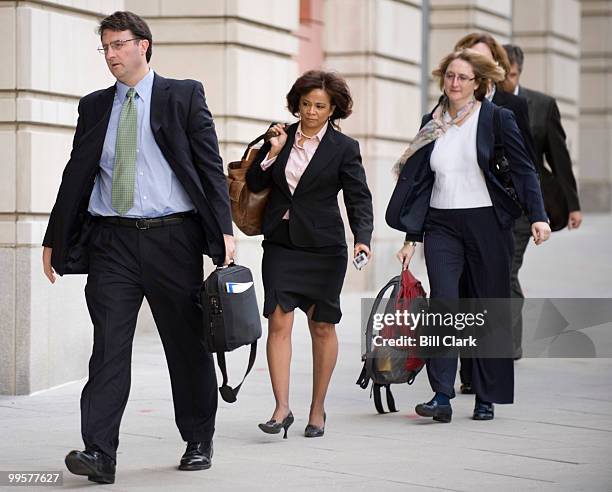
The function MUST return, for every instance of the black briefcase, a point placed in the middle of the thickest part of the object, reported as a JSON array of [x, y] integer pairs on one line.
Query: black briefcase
[[231, 318]]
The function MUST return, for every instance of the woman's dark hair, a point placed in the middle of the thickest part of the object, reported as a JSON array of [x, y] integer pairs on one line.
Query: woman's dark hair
[[330, 82], [128, 21]]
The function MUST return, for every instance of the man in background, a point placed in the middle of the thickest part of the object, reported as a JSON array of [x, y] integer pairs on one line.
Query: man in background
[[557, 181]]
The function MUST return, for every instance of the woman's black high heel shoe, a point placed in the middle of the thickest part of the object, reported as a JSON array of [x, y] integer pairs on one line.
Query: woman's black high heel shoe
[[314, 431], [274, 427]]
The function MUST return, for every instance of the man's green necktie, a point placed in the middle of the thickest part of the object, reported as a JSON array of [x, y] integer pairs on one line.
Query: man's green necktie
[[124, 171]]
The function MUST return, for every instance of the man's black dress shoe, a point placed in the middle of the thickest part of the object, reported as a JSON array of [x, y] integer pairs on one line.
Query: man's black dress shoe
[[97, 466], [483, 411], [198, 456], [466, 389], [440, 413]]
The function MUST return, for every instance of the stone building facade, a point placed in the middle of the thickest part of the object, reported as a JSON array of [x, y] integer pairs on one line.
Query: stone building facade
[[247, 53]]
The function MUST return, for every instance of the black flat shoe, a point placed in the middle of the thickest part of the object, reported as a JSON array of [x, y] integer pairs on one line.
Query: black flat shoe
[[314, 431], [466, 389], [97, 466], [198, 456], [440, 413], [483, 411], [274, 427]]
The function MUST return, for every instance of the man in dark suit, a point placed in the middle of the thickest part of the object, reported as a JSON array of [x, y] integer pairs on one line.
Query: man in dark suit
[[558, 184], [142, 197], [518, 105]]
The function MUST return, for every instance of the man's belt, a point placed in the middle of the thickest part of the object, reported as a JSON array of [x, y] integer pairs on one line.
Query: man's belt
[[144, 224]]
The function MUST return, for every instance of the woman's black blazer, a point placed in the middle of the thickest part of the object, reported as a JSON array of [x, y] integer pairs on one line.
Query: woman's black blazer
[[314, 215], [409, 203]]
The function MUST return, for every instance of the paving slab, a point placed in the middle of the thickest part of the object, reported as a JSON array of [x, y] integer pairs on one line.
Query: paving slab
[[556, 437]]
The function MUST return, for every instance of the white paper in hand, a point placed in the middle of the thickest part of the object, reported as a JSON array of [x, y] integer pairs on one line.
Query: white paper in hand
[[237, 287]]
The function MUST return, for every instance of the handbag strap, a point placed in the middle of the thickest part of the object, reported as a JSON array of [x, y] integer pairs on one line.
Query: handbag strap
[[256, 141], [253, 143], [228, 393], [500, 167], [498, 134]]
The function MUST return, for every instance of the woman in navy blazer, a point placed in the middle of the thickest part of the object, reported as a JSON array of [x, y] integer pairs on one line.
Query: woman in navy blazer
[[448, 197]]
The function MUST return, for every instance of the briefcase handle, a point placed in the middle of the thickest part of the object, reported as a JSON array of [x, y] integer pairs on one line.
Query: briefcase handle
[[223, 267]]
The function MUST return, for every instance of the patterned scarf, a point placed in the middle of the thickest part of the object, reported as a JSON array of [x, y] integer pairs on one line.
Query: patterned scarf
[[434, 129]]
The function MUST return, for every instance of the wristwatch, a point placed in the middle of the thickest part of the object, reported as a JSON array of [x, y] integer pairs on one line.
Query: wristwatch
[[410, 243]]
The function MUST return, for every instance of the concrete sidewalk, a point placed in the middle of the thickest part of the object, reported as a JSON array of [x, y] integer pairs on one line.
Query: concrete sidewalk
[[557, 436]]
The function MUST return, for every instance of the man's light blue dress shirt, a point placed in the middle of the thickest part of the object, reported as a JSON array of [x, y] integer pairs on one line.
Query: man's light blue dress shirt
[[157, 191]]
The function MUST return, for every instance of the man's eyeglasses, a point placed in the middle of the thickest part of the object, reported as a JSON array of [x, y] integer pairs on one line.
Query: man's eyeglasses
[[461, 78], [115, 45]]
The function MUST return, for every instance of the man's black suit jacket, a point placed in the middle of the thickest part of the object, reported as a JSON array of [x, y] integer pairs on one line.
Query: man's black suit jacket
[[184, 130], [549, 141], [409, 203], [518, 105], [315, 219]]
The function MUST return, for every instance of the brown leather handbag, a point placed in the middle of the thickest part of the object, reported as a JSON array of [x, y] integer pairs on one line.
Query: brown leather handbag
[[247, 207]]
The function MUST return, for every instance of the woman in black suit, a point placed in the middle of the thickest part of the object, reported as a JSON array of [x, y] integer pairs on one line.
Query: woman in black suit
[[305, 258], [448, 197]]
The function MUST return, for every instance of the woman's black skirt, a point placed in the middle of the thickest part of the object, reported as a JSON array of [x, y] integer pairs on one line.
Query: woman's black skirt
[[296, 277]]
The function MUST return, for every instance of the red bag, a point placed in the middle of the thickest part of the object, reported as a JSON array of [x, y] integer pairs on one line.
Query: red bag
[[410, 288]]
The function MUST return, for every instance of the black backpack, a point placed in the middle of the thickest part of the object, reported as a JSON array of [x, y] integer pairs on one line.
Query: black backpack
[[386, 365], [231, 318]]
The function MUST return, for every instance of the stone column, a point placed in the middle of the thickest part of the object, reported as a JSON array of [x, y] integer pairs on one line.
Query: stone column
[[548, 31], [595, 123], [376, 45], [450, 20], [49, 61], [311, 52]]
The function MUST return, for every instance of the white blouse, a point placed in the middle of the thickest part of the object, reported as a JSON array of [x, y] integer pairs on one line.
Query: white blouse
[[459, 181]]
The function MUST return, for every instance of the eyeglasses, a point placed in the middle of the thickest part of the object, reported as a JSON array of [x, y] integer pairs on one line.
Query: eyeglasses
[[115, 45], [461, 78]]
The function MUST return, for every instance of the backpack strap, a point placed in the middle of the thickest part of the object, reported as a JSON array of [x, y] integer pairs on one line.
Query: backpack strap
[[363, 380], [390, 399], [378, 398], [228, 393], [366, 371], [370, 325]]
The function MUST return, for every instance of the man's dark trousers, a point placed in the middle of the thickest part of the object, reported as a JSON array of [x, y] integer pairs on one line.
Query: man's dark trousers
[[163, 264], [522, 234]]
